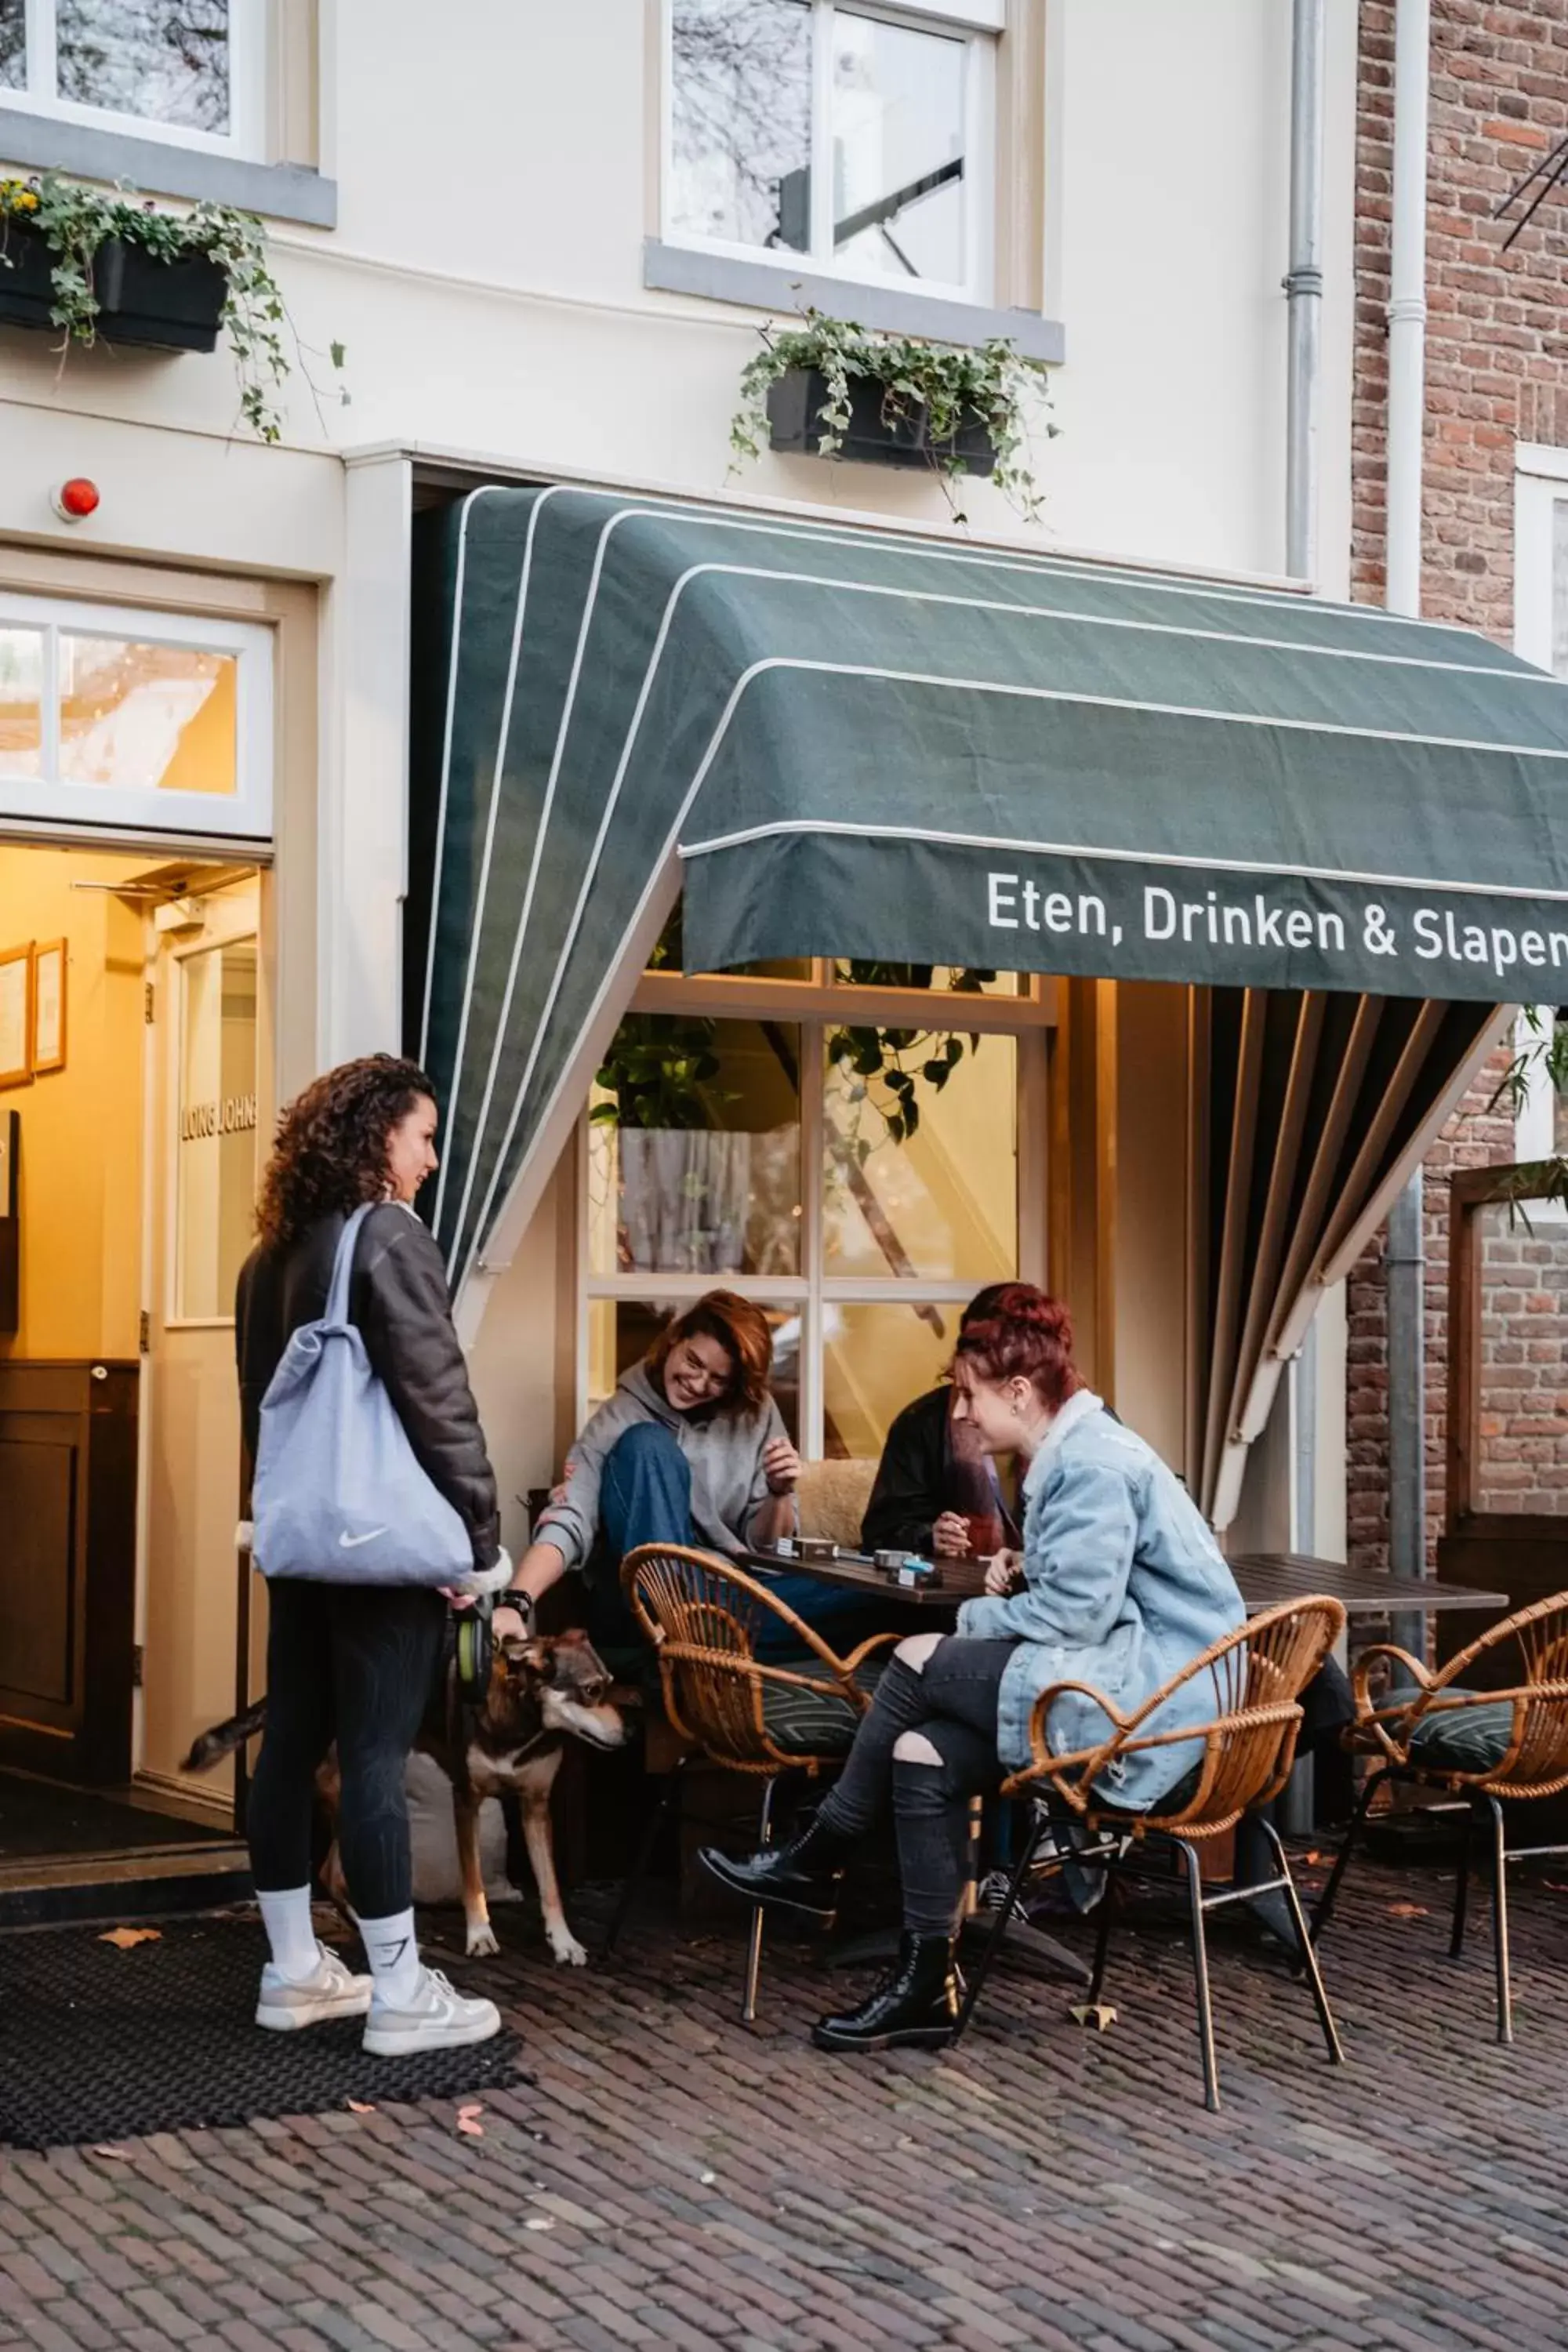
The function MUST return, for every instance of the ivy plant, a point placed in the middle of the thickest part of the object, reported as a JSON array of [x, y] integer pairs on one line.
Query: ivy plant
[[883, 1067], [953, 384], [74, 221]]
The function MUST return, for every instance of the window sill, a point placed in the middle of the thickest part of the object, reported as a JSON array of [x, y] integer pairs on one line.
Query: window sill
[[289, 192], [776, 286]]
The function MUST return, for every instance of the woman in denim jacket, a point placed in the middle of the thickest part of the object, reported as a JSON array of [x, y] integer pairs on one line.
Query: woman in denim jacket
[[1120, 1585]]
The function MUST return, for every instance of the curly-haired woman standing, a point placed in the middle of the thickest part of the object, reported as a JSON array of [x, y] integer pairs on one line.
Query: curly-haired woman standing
[[357, 1664]]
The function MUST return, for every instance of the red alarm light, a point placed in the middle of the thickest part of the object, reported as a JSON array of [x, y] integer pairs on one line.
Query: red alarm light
[[74, 500]]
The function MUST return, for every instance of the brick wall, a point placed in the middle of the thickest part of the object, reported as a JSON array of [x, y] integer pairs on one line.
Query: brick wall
[[1497, 360]]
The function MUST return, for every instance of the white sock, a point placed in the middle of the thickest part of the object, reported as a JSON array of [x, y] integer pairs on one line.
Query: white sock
[[392, 1950], [290, 1932]]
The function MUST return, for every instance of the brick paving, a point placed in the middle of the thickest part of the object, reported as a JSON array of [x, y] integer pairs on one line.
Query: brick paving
[[662, 2176]]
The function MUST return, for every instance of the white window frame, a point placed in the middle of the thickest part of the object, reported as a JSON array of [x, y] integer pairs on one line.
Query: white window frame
[[815, 1005], [247, 134], [978, 24], [244, 815]]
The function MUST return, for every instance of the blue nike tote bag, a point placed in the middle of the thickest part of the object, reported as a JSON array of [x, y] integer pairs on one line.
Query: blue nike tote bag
[[339, 1496]]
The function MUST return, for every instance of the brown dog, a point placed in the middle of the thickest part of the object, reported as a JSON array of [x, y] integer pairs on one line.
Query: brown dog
[[542, 1691]]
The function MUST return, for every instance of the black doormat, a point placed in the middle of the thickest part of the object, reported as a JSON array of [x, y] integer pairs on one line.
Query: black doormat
[[100, 2042]]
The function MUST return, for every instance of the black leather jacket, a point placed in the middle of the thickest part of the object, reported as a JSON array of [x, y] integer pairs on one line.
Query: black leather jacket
[[398, 1302]]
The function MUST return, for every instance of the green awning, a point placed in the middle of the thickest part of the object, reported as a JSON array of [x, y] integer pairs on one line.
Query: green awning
[[855, 742]]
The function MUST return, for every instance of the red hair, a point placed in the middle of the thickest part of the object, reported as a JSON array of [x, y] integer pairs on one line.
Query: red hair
[[742, 1330], [1025, 1335]]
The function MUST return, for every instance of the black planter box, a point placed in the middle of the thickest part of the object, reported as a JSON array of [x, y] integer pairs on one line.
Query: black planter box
[[166, 306], [795, 409], [169, 305], [27, 293]]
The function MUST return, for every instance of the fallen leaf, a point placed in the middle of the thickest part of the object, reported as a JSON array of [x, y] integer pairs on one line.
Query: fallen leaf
[[472, 2108], [707, 2179], [1097, 2014], [123, 1938], [538, 2221], [362, 2106], [1407, 1911], [1314, 1857], [123, 2154], [468, 2122]]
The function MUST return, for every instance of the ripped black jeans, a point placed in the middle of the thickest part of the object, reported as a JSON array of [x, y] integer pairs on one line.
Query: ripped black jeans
[[945, 1712]]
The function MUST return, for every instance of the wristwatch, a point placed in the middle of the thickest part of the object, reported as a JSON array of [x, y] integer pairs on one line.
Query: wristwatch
[[520, 1601]]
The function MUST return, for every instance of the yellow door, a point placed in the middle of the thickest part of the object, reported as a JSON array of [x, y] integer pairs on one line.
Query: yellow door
[[209, 1106]]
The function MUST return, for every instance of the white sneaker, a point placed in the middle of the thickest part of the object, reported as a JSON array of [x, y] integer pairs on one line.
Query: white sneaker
[[438, 2018], [330, 1990]]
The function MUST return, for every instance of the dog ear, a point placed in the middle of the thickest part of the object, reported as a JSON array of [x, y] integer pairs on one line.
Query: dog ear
[[534, 1656]]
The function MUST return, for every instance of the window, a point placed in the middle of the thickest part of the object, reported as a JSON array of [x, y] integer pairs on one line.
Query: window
[[216, 1148], [854, 138], [851, 1146], [109, 715], [185, 70]]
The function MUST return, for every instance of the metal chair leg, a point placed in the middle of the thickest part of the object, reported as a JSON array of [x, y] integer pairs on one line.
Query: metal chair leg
[[631, 1885], [1325, 1904], [1500, 1924], [1201, 1977], [1462, 1887], [1308, 1956], [1029, 1846], [754, 1947], [1102, 1935]]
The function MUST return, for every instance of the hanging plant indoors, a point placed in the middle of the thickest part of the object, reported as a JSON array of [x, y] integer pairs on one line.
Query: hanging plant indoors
[[832, 389], [106, 265], [882, 1066]]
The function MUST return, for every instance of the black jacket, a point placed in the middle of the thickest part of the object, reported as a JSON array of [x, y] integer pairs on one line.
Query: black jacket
[[399, 1303], [915, 1481]]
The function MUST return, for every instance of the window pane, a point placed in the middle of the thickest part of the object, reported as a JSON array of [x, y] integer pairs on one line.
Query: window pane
[[898, 150], [694, 1150], [1522, 1452], [939, 1203], [217, 1144], [13, 44], [875, 1360], [21, 702], [166, 60], [622, 1330], [148, 715], [741, 130], [1560, 586]]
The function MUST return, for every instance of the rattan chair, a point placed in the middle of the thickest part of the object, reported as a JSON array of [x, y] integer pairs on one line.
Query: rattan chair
[[1248, 1747], [1486, 1748], [704, 1617]]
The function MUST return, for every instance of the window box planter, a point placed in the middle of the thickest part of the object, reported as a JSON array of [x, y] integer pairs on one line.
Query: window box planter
[[26, 288], [170, 306], [794, 407]]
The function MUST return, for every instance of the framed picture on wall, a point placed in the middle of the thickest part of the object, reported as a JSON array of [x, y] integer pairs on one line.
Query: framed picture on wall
[[48, 1007], [15, 1015]]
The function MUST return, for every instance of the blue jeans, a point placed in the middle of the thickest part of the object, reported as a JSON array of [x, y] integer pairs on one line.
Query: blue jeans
[[644, 1497]]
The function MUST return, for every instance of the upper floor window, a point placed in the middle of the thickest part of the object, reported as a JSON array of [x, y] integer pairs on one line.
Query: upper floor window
[[184, 70], [853, 138]]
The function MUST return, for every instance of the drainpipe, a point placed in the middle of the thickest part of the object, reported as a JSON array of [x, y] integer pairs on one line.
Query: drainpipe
[[1403, 1262], [1304, 312]]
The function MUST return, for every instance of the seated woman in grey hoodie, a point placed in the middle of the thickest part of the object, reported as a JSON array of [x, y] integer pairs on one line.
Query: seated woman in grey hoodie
[[691, 1449]]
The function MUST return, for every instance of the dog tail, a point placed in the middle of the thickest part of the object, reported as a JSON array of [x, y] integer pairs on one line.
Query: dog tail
[[225, 1737]]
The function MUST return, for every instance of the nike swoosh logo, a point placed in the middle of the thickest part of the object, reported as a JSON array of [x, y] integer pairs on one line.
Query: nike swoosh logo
[[351, 1543]]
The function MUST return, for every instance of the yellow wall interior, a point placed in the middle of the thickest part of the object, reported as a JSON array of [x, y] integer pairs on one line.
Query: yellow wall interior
[[79, 1161]]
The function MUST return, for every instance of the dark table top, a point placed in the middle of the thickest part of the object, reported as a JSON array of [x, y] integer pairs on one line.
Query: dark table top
[[1265, 1580]]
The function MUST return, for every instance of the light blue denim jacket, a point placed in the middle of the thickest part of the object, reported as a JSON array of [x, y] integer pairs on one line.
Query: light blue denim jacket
[[1123, 1585]]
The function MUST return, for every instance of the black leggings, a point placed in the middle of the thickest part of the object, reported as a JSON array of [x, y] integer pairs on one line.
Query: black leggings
[[356, 1666], [952, 1702]]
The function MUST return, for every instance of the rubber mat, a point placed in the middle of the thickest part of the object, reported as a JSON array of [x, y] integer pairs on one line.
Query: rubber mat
[[104, 2043]]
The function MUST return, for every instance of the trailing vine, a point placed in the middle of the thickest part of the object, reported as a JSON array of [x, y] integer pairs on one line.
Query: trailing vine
[[75, 221], [992, 383], [883, 1067]]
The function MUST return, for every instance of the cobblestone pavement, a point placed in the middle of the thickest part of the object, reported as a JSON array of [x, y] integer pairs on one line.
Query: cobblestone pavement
[[662, 2176]]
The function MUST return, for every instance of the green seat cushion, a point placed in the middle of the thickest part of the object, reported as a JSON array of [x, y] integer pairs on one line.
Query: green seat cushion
[[814, 1722], [1461, 1738]]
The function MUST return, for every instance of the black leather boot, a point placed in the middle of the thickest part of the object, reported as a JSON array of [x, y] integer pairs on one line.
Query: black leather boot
[[801, 1877], [915, 2008]]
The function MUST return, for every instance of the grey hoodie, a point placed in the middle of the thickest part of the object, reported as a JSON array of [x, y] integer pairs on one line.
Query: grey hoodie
[[724, 1450]]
